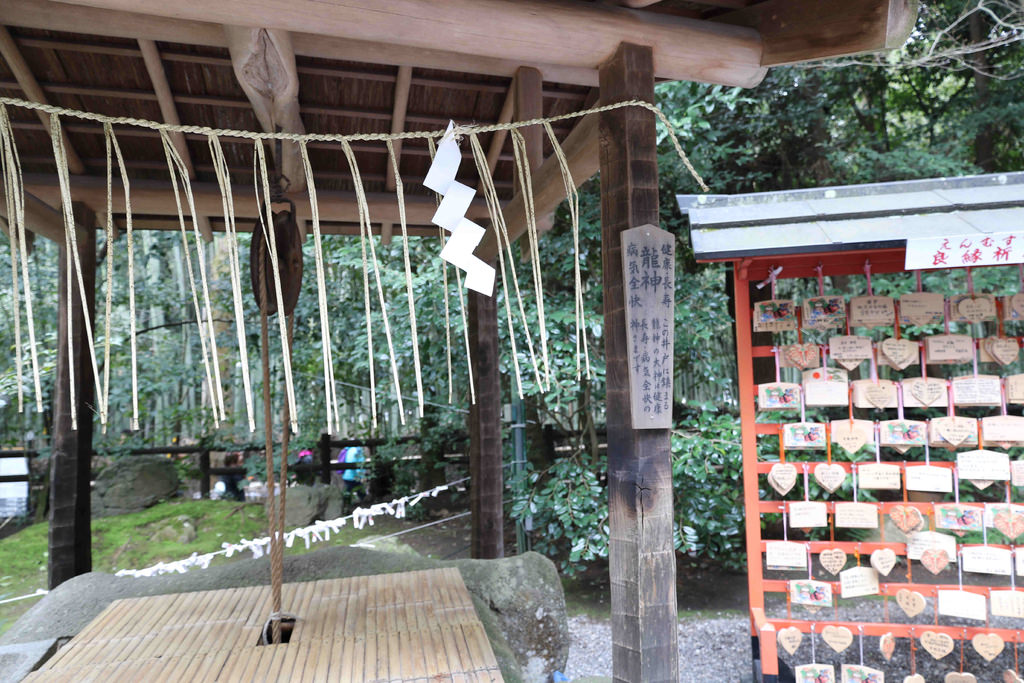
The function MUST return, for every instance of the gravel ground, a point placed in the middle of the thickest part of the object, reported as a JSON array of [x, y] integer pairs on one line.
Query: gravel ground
[[718, 649], [712, 649]]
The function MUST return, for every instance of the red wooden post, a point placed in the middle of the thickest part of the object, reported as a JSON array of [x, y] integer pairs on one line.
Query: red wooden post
[[70, 542], [641, 550], [485, 471]]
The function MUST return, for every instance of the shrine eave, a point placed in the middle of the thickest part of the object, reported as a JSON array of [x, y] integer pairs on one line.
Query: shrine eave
[[853, 217]]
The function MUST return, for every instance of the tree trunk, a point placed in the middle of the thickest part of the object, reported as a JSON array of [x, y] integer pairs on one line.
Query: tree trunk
[[70, 541], [984, 138], [641, 553]]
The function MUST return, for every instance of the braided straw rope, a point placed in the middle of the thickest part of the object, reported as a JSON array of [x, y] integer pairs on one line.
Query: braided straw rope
[[207, 337], [361, 137]]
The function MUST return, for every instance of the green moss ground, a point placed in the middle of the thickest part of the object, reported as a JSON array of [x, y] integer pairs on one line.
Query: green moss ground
[[127, 541]]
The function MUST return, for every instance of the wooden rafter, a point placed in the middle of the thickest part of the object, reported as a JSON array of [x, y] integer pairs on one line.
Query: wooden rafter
[[238, 103], [349, 72], [264, 64], [165, 98], [568, 39], [403, 81], [30, 86]]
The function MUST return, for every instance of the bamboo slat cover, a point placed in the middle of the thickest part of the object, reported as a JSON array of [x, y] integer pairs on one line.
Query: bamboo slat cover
[[414, 626]]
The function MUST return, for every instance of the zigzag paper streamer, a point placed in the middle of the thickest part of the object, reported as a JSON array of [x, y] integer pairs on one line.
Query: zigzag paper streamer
[[451, 215]]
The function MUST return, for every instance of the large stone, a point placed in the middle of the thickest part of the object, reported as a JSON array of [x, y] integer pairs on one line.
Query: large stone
[[303, 505], [519, 599], [133, 483], [21, 659]]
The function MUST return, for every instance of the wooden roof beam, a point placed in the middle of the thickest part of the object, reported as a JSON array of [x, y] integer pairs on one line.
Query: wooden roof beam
[[566, 40], [264, 64], [581, 152], [801, 30], [403, 82], [157, 198], [169, 112], [30, 86], [41, 218]]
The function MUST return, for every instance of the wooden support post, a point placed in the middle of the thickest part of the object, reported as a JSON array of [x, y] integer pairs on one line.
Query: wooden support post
[[204, 473], [323, 447], [529, 85], [641, 552], [70, 542], [485, 452]]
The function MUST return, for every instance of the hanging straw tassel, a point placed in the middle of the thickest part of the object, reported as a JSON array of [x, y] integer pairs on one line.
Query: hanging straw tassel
[[573, 198], [522, 163], [109, 280], [400, 193], [71, 244], [15, 191], [170, 153], [112, 140], [366, 236], [263, 183], [220, 167], [498, 221], [7, 168], [330, 389]]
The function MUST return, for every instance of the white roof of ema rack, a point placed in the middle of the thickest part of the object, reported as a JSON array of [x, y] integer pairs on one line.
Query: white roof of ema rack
[[877, 215]]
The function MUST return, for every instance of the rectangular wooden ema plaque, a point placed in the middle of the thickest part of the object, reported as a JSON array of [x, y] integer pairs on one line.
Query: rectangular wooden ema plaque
[[648, 270]]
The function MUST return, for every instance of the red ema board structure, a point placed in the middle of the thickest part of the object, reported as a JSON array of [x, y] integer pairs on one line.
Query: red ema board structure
[[881, 502], [852, 474]]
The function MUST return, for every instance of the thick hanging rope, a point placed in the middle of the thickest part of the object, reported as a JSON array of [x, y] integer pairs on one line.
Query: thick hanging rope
[[360, 137], [330, 390], [220, 167]]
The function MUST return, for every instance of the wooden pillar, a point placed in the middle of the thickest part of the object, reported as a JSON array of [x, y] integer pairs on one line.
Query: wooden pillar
[[485, 452], [641, 552], [70, 542], [529, 104]]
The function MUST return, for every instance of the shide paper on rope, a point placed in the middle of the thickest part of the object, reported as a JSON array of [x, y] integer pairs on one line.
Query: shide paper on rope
[[451, 215]]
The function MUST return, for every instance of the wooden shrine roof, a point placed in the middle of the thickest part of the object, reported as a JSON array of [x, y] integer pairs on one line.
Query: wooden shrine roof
[[378, 66], [854, 217]]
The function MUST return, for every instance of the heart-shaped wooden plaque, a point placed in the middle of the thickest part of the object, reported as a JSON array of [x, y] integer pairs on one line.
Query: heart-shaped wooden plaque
[[838, 637], [938, 645], [911, 602], [833, 560]]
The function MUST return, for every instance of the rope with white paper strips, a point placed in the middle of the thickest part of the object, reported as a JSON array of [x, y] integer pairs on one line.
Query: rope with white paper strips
[[317, 532]]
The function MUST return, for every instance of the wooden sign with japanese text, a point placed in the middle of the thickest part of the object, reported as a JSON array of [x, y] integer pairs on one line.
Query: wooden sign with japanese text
[[958, 251], [648, 270]]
